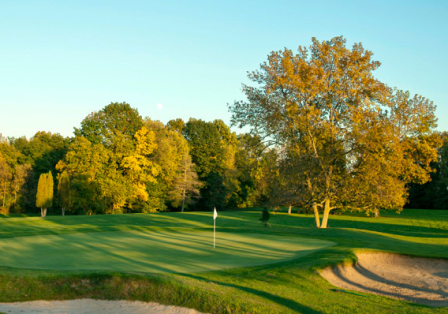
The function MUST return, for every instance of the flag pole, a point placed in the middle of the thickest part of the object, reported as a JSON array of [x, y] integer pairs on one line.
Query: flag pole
[[215, 215]]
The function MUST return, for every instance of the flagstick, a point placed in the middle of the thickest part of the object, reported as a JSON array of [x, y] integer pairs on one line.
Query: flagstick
[[214, 233]]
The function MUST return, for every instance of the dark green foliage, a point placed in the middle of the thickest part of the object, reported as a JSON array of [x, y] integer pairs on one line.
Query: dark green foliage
[[265, 216], [433, 194], [205, 146], [214, 193], [208, 155], [64, 190], [104, 125], [44, 150]]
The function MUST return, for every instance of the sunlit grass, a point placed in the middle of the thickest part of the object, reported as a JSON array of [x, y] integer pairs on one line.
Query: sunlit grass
[[285, 286]]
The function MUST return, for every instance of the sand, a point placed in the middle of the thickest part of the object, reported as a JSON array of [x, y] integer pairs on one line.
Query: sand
[[89, 306], [418, 280]]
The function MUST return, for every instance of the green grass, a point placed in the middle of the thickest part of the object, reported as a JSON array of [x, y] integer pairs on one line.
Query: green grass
[[288, 284], [154, 252]]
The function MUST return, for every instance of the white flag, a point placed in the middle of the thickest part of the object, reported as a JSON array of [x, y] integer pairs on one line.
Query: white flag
[[215, 214]]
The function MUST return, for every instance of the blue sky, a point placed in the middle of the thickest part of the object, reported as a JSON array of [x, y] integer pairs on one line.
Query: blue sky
[[61, 60]]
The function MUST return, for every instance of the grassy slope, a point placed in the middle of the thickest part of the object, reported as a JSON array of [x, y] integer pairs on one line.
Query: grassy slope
[[288, 287]]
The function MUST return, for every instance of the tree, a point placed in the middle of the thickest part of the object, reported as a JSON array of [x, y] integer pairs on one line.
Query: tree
[[169, 155], [319, 104], [64, 191], [176, 125], [441, 199], [44, 196], [186, 185], [265, 215], [5, 176], [22, 173], [138, 167], [104, 125], [212, 148], [433, 194]]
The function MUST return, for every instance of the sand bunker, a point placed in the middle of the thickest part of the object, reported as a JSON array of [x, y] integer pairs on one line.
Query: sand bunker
[[418, 280], [88, 306]]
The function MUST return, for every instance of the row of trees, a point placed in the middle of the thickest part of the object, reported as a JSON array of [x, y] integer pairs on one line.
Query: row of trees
[[120, 162], [325, 134]]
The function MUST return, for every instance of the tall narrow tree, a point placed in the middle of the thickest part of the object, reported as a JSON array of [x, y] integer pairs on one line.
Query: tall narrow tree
[[64, 191], [44, 196], [5, 176]]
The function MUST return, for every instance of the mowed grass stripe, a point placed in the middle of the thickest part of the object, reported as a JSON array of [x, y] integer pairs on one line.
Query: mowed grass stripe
[[154, 252]]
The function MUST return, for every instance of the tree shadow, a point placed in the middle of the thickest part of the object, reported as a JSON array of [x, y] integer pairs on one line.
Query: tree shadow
[[291, 304]]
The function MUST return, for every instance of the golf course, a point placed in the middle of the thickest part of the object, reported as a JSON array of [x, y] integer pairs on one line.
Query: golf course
[[169, 258]]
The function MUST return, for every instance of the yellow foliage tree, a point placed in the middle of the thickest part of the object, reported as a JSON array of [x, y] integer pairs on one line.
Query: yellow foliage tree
[[138, 166], [321, 103]]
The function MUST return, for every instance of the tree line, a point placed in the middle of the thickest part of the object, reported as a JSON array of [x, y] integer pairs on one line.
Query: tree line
[[119, 162], [325, 135]]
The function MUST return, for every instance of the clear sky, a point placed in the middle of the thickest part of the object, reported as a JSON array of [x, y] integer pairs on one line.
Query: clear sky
[[61, 60]]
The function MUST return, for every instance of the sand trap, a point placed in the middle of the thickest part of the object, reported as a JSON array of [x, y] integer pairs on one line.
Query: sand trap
[[418, 280], [88, 306]]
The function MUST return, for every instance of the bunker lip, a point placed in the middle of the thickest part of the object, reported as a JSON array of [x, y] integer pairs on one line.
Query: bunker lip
[[82, 306], [413, 279]]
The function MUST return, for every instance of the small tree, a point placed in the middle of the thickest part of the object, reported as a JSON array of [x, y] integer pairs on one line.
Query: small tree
[[64, 191], [44, 196], [265, 216]]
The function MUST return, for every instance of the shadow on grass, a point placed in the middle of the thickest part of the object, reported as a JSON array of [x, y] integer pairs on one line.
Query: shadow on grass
[[291, 304]]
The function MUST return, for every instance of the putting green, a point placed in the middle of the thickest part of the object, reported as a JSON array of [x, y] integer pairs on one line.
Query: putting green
[[161, 251]]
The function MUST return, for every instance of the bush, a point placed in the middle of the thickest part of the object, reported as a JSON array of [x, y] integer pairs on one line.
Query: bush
[[265, 215]]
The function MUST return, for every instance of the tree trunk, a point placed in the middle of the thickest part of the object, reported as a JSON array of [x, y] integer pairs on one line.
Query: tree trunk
[[43, 212], [316, 215], [289, 209], [4, 195], [327, 209], [377, 212], [63, 211], [185, 186]]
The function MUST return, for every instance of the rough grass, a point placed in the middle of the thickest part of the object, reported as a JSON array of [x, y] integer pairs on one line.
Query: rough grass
[[285, 287]]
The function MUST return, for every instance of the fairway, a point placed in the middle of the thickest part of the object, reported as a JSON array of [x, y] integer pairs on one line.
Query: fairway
[[152, 251]]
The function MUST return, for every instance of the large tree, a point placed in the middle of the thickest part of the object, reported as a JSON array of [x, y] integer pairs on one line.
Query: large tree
[[320, 104]]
